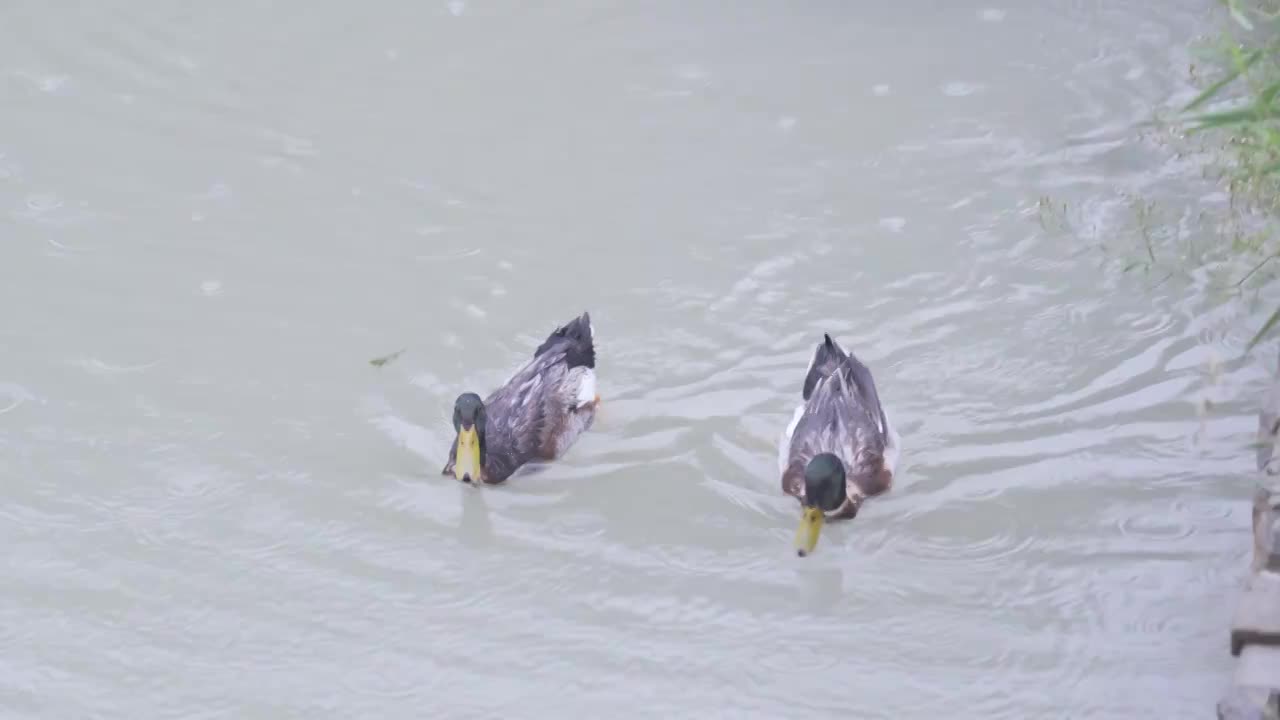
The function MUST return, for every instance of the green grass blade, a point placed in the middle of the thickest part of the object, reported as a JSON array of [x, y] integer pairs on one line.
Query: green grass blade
[[1266, 328], [1212, 91], [1238, 15], [1209, 121], [1268, 94]]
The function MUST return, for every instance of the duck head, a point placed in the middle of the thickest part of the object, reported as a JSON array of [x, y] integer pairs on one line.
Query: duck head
[[469, 423]]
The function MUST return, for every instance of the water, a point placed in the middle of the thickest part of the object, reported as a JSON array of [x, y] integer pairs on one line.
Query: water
[[215, 215]]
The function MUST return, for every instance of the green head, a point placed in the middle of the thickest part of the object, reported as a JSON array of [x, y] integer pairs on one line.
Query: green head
[[824, 492]]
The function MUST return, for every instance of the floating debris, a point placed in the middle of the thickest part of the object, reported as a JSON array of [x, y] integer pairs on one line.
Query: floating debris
[[380, 361]]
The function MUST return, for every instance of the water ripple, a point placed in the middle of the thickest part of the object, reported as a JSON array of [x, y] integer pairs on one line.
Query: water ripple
[[256, 507]]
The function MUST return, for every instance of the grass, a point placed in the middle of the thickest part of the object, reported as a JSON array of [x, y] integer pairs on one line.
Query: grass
[[1237, 113]]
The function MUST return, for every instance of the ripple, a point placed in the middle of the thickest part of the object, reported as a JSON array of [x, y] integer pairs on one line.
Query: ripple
[[14, 396], [187, 483], [893, 224], [409, 436], [471, 252], [800, 655], [961, 89], [50, 83], [994, 550], [577, 527], [290, 145], [40, 204], [99, 367], [1159, 526]]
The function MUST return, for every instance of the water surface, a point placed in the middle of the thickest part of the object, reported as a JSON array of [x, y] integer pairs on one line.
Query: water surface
[[215, 215]]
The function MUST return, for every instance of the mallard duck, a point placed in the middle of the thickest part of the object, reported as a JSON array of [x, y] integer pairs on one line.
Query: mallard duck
[[535, 415], [839, 448]]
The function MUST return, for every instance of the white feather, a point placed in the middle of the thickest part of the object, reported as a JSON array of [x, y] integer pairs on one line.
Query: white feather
[[586, 387], [784, 447], [892, 446]]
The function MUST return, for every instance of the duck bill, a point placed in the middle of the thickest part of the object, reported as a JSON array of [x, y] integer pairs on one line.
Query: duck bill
[[466, 465], [810, 528]]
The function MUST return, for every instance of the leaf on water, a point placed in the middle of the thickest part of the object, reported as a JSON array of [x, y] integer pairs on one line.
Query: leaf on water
[[1266, 327], [380, 361]]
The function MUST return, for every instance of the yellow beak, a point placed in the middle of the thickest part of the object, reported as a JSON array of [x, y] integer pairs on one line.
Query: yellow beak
[[466, 464], [810, 527]]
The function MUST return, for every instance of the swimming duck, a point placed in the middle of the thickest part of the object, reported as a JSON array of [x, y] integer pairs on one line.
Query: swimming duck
[[839, 449], [536, 415]]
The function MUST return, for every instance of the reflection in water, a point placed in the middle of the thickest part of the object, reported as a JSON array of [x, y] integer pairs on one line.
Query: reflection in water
[[822, 587], [474, 527]]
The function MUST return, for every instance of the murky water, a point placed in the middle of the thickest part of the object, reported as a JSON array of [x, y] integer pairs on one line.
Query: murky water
[[214, 215]]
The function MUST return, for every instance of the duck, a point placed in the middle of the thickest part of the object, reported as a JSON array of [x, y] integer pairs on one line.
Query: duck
[[839, 448], [536, 415]]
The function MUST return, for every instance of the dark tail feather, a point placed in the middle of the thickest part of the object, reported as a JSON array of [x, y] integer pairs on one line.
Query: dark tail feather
[[826, 359], [860, 375], [575, 337]]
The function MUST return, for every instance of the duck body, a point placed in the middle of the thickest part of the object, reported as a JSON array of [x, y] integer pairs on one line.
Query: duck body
[[536, 415], [839, 448]]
